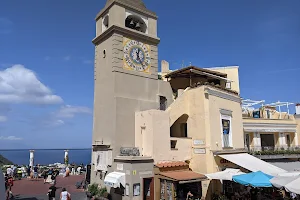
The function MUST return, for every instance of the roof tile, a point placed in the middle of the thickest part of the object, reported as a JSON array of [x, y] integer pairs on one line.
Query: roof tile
[[171, 164]]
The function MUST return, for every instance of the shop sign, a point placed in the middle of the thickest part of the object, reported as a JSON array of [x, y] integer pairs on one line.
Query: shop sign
[[146, 173], [120, 167], [199, 142], [199, 151], [223, 161]]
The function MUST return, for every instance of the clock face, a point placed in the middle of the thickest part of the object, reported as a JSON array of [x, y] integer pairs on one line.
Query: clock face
[[136, 56]]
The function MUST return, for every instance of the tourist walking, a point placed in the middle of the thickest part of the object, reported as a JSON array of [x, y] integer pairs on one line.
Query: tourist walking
[[35, 172], [45, 175], [28, 171], [65, 195], [51, 192]]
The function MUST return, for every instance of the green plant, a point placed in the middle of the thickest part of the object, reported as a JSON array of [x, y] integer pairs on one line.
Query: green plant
[[93, 189], [102, 191]]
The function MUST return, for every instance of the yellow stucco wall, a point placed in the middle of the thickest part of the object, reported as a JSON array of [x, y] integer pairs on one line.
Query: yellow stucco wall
[[232, 74], [204, 124]]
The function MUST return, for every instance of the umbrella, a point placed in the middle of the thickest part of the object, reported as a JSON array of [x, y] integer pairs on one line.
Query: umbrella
[[224, 175], [254, 179], [281, 181], [293, 186]]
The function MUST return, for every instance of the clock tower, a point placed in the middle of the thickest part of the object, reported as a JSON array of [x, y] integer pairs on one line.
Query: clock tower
[[126, 76]]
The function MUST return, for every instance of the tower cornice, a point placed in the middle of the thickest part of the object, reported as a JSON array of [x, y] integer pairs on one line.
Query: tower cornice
[[126, 32], [142, 11]]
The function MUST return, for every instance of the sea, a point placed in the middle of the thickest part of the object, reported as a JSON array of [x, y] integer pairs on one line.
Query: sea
[[47, 156]]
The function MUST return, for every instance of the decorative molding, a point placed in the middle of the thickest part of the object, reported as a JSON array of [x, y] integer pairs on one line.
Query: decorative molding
[[124, 31], [226, 112], [230, 151], [269, 127], [223, 95], [146, 12]]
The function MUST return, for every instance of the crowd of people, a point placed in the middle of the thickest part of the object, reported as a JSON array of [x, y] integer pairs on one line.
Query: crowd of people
[[34, 173]]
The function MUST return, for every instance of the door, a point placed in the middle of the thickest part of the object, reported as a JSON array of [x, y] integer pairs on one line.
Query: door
[[288, 140], [247, 141], [148, 189]]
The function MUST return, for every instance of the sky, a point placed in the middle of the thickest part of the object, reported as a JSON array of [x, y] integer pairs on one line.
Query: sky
[[46, 59]]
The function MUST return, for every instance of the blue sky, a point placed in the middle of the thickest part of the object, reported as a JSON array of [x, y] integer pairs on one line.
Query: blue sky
[[46, 58]]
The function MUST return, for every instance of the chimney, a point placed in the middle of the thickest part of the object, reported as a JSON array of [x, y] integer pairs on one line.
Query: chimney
[[165, 67], [297, 108]]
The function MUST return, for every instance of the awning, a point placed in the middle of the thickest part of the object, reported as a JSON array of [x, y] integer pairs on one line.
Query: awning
[[280, 182], [224, 175], [114, 179], [252, 163], [183, 176]]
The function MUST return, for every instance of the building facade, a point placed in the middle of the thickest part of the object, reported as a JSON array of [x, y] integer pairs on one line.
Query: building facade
[[272, 135], [156, 135]]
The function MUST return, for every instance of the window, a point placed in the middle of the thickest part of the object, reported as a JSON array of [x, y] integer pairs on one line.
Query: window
[[136, 189], [105, 23], [256, 114], [226, 131], [228, 85], [162, 103]]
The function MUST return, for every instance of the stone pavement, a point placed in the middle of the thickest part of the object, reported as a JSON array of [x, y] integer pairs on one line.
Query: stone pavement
[[74, 196], [26, 189]]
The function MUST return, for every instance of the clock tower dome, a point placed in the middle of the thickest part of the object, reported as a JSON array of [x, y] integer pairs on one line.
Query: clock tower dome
[[126, 75]]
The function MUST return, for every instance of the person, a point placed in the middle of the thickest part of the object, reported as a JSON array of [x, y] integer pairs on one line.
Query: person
[[9, 171], [35, 172], [65, 195], [45, 175], [9, 182], [293, 195], [189, 195], [28, 171], [51, 192]]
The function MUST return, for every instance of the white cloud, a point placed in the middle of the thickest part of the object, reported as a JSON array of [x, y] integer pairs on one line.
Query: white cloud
[[21, 85], [69, 111], [67, 58], [3, 119], [10, 138]]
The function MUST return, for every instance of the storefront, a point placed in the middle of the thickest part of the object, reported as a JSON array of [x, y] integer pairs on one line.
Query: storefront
[[175, 181]]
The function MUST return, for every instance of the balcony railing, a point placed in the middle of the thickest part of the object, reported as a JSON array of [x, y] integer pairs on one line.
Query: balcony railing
[[272, 152]]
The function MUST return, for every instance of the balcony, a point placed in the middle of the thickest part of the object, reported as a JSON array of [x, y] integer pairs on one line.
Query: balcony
[[271, 152], [180, 143]]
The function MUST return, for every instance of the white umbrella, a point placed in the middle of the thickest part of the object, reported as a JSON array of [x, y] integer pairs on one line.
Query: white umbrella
[[293, 186], [280, 182], [224, 175]]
